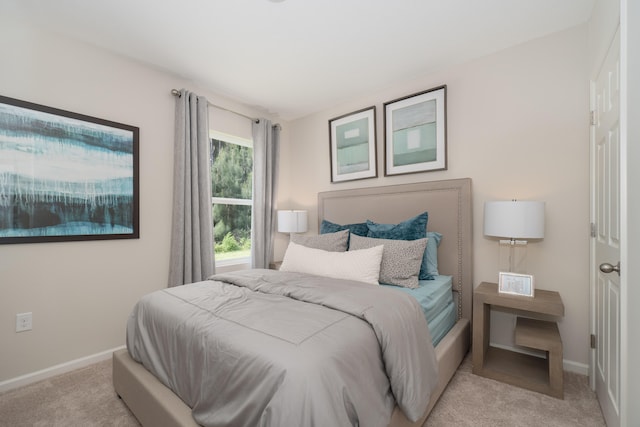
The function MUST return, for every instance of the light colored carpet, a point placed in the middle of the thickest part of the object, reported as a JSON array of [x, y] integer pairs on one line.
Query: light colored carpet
[[473, 401], [81, 398], [85, 398]]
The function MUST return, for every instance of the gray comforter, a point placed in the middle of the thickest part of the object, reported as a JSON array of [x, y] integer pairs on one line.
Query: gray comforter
[[270, 348]]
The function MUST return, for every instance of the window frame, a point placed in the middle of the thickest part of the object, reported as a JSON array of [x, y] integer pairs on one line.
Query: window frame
[[231, 139]]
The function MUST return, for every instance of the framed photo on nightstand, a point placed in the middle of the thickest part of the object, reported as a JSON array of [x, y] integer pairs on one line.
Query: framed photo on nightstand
[[516, 284]]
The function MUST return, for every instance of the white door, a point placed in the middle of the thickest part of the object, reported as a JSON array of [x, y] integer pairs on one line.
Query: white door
[[606, 137]]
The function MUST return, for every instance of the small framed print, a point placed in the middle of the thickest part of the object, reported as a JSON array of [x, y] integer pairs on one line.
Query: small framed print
[[415, 133], [516, 284], [352, 146]]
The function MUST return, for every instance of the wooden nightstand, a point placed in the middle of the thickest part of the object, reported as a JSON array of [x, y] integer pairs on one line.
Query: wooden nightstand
[[275, 265], [522, 370]]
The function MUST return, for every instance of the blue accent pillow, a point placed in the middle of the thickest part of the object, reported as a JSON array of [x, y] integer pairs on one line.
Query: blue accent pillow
[[359, 229], [429, 267], [412, 229]]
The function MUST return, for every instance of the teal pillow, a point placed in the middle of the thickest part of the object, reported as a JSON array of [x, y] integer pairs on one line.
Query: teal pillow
[[359, 229], [429, 267], [411, 229]]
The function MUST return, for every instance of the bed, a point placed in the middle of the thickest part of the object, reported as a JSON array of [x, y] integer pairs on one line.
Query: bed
[[449, 205]]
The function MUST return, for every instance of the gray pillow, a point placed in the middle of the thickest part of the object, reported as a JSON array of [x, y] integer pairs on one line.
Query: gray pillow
[[401, 259], [332, 242]]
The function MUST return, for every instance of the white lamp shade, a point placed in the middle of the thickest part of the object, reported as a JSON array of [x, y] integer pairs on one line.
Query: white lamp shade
[[292, 221], [514, 219]]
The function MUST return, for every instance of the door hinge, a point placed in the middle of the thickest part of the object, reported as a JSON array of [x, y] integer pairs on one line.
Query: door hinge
[[593, 341], [592, 117], [593, 229]]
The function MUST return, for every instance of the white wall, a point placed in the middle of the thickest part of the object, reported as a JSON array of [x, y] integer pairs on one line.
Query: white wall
[[604, 20], [81, 293], [518, 126]]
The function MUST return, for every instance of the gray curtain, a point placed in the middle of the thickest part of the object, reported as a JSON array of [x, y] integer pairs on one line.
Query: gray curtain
[[192, 256], [266, 142]]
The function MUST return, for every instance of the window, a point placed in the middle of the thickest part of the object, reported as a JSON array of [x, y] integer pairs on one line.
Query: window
[[231, 188]]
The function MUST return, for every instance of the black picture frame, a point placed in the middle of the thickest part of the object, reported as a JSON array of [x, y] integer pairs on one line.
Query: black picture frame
[[352, 146], [66, 176], [415, 132]]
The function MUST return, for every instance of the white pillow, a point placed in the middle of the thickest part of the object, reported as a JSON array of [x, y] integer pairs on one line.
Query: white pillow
[[362, 265]]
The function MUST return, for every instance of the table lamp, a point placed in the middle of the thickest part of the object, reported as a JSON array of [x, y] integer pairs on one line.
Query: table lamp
[[292, 221], [517, 221]]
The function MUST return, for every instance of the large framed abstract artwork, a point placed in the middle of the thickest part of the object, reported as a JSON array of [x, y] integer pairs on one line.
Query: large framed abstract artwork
[[352, 146], [415, 132], [66, 176]]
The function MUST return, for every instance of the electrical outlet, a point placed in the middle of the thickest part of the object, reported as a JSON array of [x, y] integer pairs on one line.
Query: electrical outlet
[[24, 322]]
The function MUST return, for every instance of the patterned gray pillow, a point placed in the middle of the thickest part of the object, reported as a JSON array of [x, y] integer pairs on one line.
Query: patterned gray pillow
[[401, 259], [332, 242]]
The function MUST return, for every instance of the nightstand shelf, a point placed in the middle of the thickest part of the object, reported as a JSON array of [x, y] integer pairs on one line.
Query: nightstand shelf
[[516, 368], [519, 369]]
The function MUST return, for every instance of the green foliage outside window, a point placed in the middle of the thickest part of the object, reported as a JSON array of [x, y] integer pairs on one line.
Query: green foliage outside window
[[231, 177]]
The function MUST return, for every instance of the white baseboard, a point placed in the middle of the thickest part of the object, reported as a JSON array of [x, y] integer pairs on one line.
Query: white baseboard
[[62, 368], [23, 380], [575, 367], [567, 365]]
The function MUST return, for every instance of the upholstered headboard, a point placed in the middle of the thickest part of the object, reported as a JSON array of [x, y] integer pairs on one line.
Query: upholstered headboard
[[449, 205]]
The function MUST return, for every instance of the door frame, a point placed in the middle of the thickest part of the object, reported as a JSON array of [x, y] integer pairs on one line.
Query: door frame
[[592, 240], [629, 209]]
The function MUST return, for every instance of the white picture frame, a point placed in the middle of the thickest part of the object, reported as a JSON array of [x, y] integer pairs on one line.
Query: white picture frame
[[516, 284]]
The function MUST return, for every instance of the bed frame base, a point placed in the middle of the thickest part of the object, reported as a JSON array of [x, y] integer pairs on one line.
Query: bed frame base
[[154, 404], [150, 401]]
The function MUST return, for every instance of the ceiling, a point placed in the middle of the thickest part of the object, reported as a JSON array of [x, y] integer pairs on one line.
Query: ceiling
[[295, 57]]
